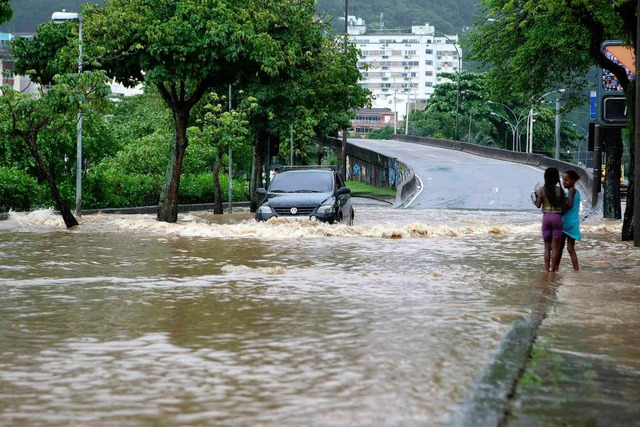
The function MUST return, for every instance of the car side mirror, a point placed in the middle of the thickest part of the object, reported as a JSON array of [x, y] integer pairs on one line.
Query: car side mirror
[[261, 191], [344, 190]]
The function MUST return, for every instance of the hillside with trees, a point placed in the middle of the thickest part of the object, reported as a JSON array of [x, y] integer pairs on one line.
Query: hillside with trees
[[451, 16]]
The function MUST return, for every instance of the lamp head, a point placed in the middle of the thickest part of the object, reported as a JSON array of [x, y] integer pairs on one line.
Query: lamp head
[[61, 17]]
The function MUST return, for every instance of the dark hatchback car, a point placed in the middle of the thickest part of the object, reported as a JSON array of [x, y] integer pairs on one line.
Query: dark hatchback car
[[317, 194]]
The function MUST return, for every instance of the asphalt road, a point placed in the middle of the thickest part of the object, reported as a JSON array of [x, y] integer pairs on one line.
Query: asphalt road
[[452, 179]]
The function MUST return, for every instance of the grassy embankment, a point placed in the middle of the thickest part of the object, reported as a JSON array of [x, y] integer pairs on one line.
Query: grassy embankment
[[365, 190]]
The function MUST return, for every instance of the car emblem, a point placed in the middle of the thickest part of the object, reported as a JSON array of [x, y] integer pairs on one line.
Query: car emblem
[[294, 210]]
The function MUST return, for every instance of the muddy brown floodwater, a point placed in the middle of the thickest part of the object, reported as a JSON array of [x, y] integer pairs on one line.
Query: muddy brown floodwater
[[224, 321]]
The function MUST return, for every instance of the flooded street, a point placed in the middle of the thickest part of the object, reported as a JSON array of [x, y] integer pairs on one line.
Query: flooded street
[[225, 321]]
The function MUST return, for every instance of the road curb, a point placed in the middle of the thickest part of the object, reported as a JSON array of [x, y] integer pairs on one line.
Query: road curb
[[490, 397]]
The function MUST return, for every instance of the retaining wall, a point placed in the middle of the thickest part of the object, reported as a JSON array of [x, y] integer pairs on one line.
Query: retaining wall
[[369, 167]]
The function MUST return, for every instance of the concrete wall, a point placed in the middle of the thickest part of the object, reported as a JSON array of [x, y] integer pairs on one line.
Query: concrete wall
[[369, 167]]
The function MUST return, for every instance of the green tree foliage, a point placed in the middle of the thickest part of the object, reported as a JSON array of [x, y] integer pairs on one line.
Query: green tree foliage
[[51, 51], [186, 47], [382, 133], [448, 16], [223, 129], [18, 190], [6, 13], [317, 96], [533, 45], [140, 127], [38, 122], [467, 103]]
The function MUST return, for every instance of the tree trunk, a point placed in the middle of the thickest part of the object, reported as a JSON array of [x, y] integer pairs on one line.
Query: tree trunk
[[168, 204], [628, 222], [69, 220], [217, 192], [611, 207]]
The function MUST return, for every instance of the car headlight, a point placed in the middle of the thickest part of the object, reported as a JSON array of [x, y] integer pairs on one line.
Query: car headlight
[[265, 209], [326, 209]]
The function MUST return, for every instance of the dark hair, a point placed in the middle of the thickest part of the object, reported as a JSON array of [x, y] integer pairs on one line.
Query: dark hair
[[551, 181], [572, 174]]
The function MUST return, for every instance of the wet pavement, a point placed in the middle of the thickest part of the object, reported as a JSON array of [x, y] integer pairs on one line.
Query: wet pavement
[[575, 360], [585, 364]]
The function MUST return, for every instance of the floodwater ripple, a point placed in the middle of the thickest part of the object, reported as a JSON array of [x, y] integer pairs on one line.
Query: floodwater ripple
[[127, 321]]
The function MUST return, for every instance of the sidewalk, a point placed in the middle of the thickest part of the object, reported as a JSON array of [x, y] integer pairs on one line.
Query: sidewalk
[[585, 366]]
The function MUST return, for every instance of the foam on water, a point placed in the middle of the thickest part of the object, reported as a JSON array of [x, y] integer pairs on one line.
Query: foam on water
[[197, 225]]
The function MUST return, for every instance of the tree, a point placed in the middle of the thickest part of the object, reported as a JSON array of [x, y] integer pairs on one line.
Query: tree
[[317, 97], [38, 120], [186, 47], [533, 45], [5, 11], [48, 53], [221, 129], [468, 101], [382, 133]]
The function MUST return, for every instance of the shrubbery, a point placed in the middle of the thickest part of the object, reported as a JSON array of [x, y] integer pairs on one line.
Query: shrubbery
[[108, 189], [113, 190], [21, 192]]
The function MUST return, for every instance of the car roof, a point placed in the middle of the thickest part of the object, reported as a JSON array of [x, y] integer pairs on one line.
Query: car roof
[[310, 170]]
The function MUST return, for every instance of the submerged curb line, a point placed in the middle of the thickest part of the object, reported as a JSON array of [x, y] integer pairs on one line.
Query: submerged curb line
[[488, 403]]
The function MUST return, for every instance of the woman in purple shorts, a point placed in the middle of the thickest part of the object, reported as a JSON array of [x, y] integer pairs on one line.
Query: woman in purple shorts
[[551, 198]]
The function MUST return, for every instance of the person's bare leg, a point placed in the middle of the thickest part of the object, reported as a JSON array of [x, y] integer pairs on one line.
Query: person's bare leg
[[556, 252], [547, 256], [571, 248]]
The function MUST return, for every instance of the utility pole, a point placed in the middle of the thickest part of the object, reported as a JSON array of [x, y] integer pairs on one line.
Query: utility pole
[[557, 153], [597, 163], [343, 151], [230, 164], [636, 166]]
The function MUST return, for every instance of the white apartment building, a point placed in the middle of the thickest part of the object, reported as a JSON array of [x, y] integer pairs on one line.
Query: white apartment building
[[404, 66]]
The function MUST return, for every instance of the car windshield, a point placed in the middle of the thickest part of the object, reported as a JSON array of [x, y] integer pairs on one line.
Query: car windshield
[[297, 182]]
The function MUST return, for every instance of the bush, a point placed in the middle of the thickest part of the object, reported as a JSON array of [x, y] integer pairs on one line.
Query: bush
[[199, 189], [18, 191], [110, 189], [105, 189]]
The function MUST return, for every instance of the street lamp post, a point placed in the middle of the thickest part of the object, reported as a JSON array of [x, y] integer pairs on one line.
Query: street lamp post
[[395, 104], [59, 18], [516, 117], [557, 129], [585, 133], [514, 130]]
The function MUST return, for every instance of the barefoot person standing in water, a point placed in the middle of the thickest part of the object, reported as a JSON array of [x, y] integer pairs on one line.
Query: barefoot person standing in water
[[551, 198], [570, 219]]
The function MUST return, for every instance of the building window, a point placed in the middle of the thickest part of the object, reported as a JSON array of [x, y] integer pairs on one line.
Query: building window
[[429, 51], [428, 73], [428, 62]]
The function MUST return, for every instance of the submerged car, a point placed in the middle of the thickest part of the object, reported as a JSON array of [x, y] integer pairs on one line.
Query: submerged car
[[317, 194]]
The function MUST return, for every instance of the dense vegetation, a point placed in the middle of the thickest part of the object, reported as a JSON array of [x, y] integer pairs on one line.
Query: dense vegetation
[[448, 16], [533, 47], [296, 78]]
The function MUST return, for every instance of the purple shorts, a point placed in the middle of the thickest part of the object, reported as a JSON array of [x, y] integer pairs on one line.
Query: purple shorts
[[551, 226]]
